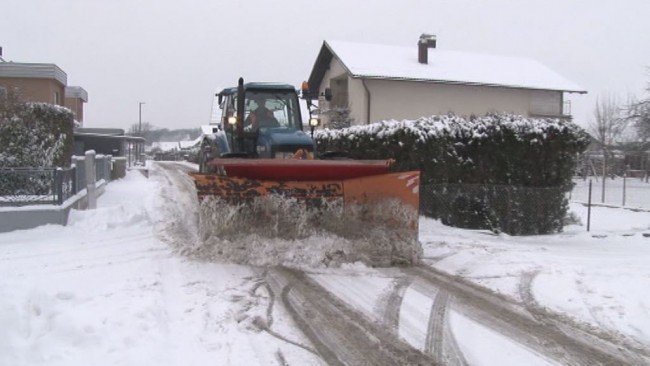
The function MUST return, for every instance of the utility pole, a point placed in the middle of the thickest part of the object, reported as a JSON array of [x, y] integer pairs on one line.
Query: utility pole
[[140, 118], [139, 147]]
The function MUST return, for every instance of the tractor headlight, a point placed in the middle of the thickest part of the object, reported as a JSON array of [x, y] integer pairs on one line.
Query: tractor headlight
[[232, 120], [314, 122]]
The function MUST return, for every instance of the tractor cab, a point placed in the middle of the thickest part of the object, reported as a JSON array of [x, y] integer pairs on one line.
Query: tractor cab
[[262, 120]]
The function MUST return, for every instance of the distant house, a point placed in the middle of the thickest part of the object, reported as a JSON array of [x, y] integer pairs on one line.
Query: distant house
[[378, 82], [109, 141], [42, 82], [75, 97]]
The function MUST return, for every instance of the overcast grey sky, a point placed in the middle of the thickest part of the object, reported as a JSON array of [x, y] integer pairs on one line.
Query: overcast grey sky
[[174, 55]]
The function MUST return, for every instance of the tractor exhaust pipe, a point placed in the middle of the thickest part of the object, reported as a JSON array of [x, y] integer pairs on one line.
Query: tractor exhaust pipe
[[240, 112]]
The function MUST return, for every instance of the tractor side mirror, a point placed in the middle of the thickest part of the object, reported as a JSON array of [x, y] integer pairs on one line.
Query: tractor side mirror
[[328, 94]]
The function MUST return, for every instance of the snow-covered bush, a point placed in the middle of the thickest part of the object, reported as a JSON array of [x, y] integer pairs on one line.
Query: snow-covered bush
[[339, 118], [490, 151], [34, 134]]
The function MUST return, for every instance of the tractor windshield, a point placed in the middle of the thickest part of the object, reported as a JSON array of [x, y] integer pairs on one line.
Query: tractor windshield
[[272, 108]]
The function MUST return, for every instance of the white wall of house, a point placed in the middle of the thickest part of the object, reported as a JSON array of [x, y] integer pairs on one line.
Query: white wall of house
[[358, 101], [397, 99], [335, 71], [411, 100]]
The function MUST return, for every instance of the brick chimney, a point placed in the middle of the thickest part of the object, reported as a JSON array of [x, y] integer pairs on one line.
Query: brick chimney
[[426, 41]]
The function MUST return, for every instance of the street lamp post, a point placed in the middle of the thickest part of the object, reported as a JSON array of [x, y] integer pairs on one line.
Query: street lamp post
[[139, 148], [140, 118]]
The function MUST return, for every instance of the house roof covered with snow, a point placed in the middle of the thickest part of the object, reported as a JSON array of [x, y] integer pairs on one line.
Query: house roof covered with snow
[[372, 61], [209, 129], [76, 92], [166, 145]]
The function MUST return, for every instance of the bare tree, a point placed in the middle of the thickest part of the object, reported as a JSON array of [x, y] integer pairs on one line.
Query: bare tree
[[639, 114], [134, 130], [607, 127]]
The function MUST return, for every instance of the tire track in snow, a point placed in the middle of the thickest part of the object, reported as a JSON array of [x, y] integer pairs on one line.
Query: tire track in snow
[[342, 336], [390, 304], [267, 325], [440, 341], [564, 324], [436, 327], [505, 317]]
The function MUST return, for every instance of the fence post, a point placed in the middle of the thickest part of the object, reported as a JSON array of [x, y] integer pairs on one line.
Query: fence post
[[74, 172], [107, 167], [91, 179], [589, 208], [52, 173], [624, 185], [58, 178]]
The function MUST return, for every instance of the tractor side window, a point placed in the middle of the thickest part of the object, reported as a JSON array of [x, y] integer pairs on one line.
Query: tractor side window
[[281, 116]]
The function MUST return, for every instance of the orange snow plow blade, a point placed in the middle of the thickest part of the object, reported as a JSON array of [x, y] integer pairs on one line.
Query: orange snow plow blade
[[403, 187], [382, 209]]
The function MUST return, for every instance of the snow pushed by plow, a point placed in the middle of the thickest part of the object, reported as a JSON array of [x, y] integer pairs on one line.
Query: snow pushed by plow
[[276, 231], [273, 230]]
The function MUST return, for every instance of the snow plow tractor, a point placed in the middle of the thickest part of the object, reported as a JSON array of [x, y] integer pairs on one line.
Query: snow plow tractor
[[260, 175]]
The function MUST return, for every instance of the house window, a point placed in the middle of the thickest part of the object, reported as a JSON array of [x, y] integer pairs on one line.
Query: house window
[[57, 98]]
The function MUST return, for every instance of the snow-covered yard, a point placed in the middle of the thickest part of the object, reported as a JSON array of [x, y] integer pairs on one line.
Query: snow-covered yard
[[631, 193], [108, 289]]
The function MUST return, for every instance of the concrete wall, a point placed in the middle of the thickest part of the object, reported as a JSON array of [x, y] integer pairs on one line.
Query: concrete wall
[[28, 217], [76, 105]]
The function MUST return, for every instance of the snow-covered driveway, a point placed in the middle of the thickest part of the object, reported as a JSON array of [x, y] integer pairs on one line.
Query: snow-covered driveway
[[117, 286]]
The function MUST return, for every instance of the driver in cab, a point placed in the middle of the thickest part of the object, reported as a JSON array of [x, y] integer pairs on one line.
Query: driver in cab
[[261, 116]]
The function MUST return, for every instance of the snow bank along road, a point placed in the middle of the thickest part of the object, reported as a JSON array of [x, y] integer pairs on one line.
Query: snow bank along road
[[130, 283]]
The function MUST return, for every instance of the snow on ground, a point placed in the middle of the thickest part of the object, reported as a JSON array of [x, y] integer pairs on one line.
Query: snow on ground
[[482, 346], [107, 290], [634, 192], [600, 277]]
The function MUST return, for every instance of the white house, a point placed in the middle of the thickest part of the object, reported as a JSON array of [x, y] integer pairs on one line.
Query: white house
[[379, 82]]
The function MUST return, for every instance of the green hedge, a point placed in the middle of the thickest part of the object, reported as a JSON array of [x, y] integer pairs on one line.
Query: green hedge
[[34, 134], [491, 151]]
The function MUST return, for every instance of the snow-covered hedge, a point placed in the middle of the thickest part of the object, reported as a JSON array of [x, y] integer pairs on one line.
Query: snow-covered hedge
[[34, 134], [494, 150]]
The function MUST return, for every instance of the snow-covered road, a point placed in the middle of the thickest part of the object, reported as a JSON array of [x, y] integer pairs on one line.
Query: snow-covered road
[[127, 284]]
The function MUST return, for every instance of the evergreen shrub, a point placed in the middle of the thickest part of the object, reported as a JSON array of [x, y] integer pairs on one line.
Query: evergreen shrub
[[34, 134], [523, 166]]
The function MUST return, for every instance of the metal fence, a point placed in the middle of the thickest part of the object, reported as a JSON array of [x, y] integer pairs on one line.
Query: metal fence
[[511, 209], [34, 186], [31, 186]]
